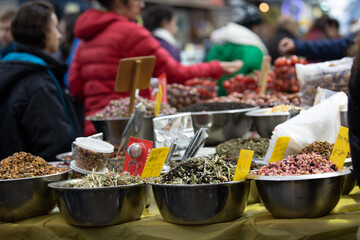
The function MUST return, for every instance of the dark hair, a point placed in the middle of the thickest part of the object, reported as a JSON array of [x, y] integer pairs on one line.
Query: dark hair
[[31, 23], [107, 3], [7, 15], [246, 14], [155, 15]]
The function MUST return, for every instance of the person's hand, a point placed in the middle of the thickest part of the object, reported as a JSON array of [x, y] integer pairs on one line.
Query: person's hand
[[231, 67], [286, 46]]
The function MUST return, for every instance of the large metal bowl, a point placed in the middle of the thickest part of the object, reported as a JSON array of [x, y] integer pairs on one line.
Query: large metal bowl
[[202, 203], [223, 125], [305, 196], [265, 122], [344, 118], [350, 179], [27, 197], [113, 128], [94, 207]]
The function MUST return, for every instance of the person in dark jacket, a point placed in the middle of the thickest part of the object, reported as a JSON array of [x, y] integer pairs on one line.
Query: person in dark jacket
[[36, 114], [322, 50], [161, 21], [287, 28]]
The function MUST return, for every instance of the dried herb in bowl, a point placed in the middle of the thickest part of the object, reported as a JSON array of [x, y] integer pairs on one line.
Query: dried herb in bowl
[[110, 179], [233, 146], [322, 148], [201, 170], [24, 165]]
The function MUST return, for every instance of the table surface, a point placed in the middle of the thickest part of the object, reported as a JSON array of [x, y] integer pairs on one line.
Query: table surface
[[256, 223]]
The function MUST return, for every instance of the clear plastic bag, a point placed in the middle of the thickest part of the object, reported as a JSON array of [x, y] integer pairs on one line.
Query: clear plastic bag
[[319, 123], [332, 75]]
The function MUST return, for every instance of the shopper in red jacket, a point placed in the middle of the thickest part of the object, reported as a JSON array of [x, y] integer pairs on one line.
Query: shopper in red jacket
[[112, 35]]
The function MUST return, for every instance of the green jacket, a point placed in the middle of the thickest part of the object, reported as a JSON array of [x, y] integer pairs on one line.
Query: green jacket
[[236, 42], [250, 55]]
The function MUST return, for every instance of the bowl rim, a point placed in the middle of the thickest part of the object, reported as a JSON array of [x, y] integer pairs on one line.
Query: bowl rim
[[92, 118], [30, 178], [53, 185], [198, 185], [225, 111], [65, 154], [264, 112], [343, 172]]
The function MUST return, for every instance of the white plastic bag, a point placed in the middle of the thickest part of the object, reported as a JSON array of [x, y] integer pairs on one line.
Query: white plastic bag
[[319, 123]]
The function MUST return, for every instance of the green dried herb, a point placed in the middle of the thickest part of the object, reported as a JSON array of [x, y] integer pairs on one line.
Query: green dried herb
[[233, 146], [111, 179], [201, 170]]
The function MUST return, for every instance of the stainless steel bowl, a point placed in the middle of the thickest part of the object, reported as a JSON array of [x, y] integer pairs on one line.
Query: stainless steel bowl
[[306, 196], [254, 194], [223, 125], [350, 179], [344, 118], [27, 197], [202, 203], [94, 207], [63, 157], [265, 122], [113, 129]]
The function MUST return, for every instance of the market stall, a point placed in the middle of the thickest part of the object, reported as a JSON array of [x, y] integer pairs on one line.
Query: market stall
[[256, 223]]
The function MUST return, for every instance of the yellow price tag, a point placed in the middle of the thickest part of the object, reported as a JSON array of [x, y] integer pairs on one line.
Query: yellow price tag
[[243, 164], [158, 101], [279, 149], [155, 162], [341, 148]]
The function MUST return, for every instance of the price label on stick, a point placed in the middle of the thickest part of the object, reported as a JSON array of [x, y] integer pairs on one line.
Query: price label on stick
[[341, 148], [279, 149], [243, 164], [158, 101], [155, 162]]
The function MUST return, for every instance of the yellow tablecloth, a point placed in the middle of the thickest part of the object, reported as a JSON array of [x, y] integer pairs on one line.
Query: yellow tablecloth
[[256, 223]]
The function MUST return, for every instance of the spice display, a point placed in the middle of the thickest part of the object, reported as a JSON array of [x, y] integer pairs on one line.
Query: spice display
[[24, 165], [180, 96], [110, 179], [303, 164], [201, 170], [120, 108], [233, 146], [262, 100], [322, 148], [116, 163], [89, 160], [215, 106], [283, 108]]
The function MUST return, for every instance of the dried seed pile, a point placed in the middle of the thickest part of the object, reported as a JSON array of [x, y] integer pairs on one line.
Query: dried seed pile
[[233, 146], [90, 160], [24, 165], [322, 148], [309, 163], [105, 180], [201, 170]]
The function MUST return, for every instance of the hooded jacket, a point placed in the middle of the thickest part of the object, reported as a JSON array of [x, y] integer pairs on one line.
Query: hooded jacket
[[236, 42], [33, 118], [108, 37]]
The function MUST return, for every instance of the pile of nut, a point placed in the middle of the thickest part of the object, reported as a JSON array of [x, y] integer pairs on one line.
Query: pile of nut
[[303, 164], [180, 96], [322, 148], [24, 165]]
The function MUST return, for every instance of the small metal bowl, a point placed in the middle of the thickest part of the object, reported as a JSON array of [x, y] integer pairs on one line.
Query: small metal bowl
[[65, 157], [223, 125], [343, 118], [265, 121], [94, 207], [305, 196], [202, 203], [113, 128], [27, 197]]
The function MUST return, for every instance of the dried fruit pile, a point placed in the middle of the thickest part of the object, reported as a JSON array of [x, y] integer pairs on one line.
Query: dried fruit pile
[[201, 170], [322, 148], [24, 165], [303, 164], [233, 146], [119, 108]]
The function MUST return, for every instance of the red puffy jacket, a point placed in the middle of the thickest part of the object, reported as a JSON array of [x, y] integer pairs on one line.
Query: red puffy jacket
[[108, 37]]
